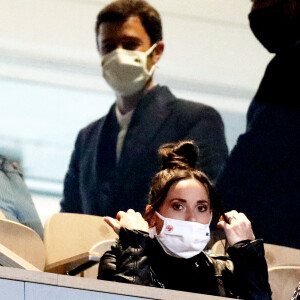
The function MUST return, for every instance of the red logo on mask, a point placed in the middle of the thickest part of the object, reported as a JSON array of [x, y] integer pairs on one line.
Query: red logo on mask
[[169, 228]]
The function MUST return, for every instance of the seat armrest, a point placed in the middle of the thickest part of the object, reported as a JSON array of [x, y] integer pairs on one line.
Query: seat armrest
[[9, 258], [75, 264]]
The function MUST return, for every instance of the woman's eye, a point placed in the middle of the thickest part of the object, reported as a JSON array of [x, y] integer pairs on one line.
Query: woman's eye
[[177, 206], [202, 208]]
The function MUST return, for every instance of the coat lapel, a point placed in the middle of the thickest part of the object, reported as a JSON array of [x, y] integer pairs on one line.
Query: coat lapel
[[150, 115], [106, 149], [147, 121]]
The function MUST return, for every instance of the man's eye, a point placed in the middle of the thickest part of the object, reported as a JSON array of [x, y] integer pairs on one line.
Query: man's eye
[[130, 45], [107, 48]]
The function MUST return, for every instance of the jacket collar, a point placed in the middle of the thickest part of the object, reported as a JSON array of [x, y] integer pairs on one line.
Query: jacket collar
[[152, 112], [150, 115]]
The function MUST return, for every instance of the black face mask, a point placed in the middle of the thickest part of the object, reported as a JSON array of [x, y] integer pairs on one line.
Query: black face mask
[[273, 28]]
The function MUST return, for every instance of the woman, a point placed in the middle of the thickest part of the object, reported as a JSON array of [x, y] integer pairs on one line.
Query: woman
[[166, 250], [15, 200]]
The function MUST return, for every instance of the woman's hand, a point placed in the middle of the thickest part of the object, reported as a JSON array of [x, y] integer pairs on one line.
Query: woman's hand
[[130, 220], [238, 229]]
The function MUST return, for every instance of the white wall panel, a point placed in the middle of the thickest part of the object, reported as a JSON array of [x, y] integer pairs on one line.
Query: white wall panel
[[11, 290], [207, 41], [35, 291]]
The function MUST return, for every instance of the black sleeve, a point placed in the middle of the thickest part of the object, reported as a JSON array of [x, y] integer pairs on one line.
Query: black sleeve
[[259, 152], [71, 201], [250, 270], [107, 266], [128, 262]]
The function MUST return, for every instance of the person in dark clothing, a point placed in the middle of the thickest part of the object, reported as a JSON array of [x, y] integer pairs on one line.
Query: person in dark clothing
[[262, 175], [166, 250], [103, 176]]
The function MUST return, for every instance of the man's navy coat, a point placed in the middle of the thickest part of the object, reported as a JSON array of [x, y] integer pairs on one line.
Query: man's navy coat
[[96, 185]]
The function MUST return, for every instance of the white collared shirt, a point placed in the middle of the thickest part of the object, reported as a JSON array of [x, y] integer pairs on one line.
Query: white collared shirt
[[124, 121]]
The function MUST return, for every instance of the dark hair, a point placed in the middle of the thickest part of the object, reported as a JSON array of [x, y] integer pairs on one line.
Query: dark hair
[[178, 163], [291, 7], [2, 163], [3, 168], [8, 167], [294, 10], [121, 10]]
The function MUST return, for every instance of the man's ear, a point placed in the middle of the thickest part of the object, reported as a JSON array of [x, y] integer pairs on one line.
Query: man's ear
[[158, 51]]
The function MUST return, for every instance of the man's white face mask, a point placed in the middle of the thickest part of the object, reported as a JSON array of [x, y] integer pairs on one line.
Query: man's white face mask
[[183, 239], [126, 70]]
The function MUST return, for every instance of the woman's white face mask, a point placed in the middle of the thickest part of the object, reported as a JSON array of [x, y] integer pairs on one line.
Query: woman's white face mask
[[126, 70], [183, 239]]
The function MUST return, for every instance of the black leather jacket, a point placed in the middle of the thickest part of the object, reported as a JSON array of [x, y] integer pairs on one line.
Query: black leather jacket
[[138, 259]]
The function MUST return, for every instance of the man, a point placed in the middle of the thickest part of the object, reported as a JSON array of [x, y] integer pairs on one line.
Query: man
[[115, 157], [262, 175]]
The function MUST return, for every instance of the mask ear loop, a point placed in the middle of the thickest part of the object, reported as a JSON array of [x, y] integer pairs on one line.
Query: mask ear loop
[[152, 230], [148, 52]]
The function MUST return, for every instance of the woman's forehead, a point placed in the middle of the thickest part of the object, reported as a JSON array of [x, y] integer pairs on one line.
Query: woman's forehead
[[187, 189]]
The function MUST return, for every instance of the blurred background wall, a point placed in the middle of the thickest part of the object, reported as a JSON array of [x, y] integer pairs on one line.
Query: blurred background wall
[[51, 83]]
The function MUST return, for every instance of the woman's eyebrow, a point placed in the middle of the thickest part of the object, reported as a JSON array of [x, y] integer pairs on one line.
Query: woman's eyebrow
[[184, 200], [202, 201], [178, 199]]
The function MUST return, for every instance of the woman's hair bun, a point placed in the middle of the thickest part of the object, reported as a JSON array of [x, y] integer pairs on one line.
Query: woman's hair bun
[[183, 154]]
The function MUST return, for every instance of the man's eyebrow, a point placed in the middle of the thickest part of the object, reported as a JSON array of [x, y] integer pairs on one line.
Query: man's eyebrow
[[106, 40], [130, 38], [124, 38]]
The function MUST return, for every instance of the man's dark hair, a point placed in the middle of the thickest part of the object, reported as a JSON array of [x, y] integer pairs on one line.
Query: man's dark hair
[[121, 10]]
